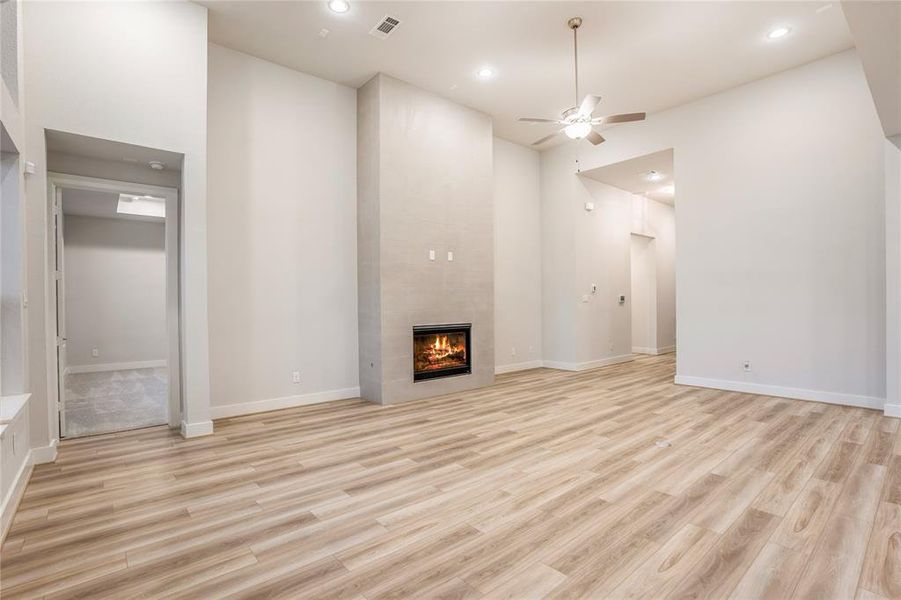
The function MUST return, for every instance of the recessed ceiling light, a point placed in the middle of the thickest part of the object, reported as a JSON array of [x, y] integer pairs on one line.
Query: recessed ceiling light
[[485, 73], [339, 6], [653, 176], [778, 32]]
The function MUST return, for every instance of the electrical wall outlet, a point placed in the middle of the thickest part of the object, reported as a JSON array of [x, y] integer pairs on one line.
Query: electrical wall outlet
[[295, 376], [95, 352], [746, 366], [585, 298], [513, 351], [610, 346]]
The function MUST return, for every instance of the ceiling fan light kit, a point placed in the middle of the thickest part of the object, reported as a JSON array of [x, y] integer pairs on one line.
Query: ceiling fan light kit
[[578, 122]]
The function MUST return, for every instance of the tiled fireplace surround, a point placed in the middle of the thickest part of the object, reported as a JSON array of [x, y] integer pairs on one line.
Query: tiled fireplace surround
[[424, 184]]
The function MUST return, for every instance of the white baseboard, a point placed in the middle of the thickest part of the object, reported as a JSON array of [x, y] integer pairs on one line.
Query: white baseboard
[[892, 410], [592, 364], [782, 392], [122, 366], [249, 408], [192, 430], [532, 364], [14, 496], [653, 351], [44, 454]]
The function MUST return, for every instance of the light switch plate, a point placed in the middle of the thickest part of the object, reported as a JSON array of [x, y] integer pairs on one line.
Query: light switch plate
[[450, 257], [431, 255]]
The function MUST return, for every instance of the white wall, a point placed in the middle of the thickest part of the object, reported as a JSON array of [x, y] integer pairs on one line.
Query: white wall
[[100, 69], [643, 298], [115, 277], [282, 235], [893, 275], [517, 257], [780, 241], [662, 223]]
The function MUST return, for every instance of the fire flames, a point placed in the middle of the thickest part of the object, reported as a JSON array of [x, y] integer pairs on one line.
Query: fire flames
[[442, 352]]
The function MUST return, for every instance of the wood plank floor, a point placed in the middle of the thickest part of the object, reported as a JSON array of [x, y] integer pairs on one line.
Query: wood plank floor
[[547, 484]]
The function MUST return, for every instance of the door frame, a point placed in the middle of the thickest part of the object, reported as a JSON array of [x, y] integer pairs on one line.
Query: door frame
[[59, 181]]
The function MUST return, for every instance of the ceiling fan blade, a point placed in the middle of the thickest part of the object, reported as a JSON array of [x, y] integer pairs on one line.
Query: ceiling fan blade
[[624, 118], [588, 105], [594, 137], [531, 120], [544, 139]]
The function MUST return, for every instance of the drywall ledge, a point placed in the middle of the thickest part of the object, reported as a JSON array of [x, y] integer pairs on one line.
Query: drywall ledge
[[782, 392], [261, 406]]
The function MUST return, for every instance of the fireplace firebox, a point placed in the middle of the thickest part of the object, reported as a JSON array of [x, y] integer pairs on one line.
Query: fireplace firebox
[[441, 351]]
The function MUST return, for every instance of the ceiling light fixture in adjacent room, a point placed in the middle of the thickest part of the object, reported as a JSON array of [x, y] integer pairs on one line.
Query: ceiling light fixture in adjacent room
[[653, 176], [143, 206], [778, 32], [157, 165], [339, 6], [485, 73]]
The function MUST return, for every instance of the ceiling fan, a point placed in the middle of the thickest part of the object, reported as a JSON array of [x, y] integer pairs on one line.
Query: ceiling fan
[[578, 121]]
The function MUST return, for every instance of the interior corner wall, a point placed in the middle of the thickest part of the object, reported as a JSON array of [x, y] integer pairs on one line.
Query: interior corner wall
[[780, 233], [100, 69], [893, 275], [115, 291], [517, 257], [282, 236]]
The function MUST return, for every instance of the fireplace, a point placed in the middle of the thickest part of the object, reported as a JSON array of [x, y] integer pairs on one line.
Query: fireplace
[[441, 351]]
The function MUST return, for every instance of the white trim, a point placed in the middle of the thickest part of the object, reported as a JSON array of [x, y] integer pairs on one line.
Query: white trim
[[653, 351], [592, 364], [14, 496], [249, 408], [892, 410], [174, 290], [192, 430], [45, 454], [122, 366], [523, 366], [782, 392]]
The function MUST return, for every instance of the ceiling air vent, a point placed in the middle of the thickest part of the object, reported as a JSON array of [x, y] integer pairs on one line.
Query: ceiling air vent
[[385, 27]]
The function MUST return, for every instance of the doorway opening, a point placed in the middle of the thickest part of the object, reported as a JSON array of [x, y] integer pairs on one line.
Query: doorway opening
[[115, 272], [649, 247]]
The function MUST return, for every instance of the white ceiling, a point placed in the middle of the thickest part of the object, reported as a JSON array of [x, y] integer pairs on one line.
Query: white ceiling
[[80, 145], [639, 56], [88, 203], [629, 175]]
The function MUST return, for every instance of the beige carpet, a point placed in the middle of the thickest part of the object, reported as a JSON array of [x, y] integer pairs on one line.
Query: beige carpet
[[115, 401]]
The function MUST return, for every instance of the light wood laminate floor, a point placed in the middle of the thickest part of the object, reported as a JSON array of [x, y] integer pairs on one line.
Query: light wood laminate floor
[[548, 484]]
